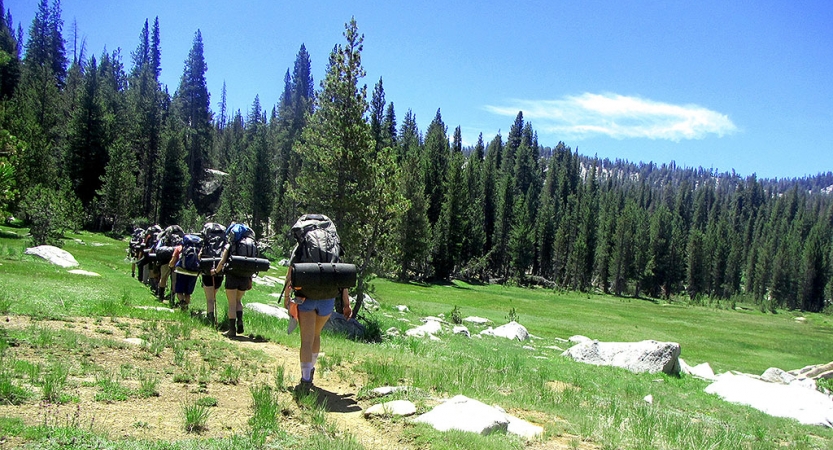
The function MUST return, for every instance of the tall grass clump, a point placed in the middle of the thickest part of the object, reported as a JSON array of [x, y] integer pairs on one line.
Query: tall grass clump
[[195, 416]]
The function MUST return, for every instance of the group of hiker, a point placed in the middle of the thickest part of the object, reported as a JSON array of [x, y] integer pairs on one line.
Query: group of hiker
[[217, 254], [171, 256]]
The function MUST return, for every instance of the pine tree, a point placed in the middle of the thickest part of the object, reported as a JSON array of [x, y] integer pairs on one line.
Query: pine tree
[[338, 151], [449, 229], [175, 178], [192, 108], [119, 195], [435, 163], [89, 139], [39, 108], [377, 114], [146, 108], [9, 56]]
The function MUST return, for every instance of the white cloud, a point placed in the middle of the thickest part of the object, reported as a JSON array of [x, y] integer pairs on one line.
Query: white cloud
[[619, 117]]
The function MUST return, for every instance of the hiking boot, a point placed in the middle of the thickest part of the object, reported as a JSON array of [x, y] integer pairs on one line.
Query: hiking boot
[[311, 375], [232, 331], [183, 306], [210, 319], [161, 294], [303, 387], [239, 322]]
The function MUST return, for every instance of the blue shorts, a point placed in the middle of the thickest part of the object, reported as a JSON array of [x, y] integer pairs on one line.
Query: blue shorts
[[323, 307], [185, 284]]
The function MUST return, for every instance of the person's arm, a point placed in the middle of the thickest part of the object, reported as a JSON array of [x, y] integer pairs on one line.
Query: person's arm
[[287, 288], [223, 259], [345, 304], [175, 256]]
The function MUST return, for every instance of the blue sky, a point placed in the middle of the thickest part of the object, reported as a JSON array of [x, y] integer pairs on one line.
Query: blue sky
[[744, 86]]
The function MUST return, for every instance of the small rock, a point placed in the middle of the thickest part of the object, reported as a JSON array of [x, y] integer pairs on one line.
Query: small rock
[[649, 399], [134, 341], [84, 272], [459, 329], [399, 408]]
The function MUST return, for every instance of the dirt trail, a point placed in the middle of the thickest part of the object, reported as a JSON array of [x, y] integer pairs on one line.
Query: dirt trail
[[161, 417]]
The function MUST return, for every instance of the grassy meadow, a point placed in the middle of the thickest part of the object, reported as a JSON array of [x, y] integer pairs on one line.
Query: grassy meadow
[[579, 406]]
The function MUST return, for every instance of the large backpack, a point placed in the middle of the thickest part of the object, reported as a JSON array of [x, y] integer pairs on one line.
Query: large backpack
[[189, 255], [244, 260], [136, 242], [317, 272], [172, 236], [213, 243], [317, 240]]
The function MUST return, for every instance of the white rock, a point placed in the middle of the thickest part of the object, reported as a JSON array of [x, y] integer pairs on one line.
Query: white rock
[[460, 329], [649, 399], [776, 375], [274, 311], [265, 280], [512, 330], [392, 331], [703, 370], [529, 347], [465, 414], [644, 356], [369, 303], [805, 405], [156, 308], [400, 408], [523, 428], [387, 390], [429, 328], [476, 320], [55, 255], [402, 308], [579, 339], [134, 341], [84, 272]]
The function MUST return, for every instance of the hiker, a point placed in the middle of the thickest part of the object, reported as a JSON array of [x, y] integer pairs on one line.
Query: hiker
[[170, 238], [147, 245], [186, 264], [152, 267], [213, 243], [134, 250], [241, 242], [317, 241]]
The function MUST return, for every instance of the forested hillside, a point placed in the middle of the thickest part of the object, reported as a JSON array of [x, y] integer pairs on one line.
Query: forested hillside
[[97, 142]]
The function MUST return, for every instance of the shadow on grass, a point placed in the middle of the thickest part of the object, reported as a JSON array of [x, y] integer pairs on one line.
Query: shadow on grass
[[10, 235], [330, 401]]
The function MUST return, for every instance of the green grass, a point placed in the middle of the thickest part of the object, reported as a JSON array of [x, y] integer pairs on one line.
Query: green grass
[[601, 406], [745, 340]]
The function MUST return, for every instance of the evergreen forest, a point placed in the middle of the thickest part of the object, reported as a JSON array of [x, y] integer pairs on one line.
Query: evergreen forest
[[97, 142]]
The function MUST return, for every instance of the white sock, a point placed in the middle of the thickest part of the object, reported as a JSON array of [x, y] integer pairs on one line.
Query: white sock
[[306, 371], [314, 359]]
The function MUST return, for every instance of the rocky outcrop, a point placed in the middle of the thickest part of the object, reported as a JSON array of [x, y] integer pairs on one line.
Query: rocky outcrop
[[55, 255], [795, 401], [512, 330], [645, 356], [465, 414]]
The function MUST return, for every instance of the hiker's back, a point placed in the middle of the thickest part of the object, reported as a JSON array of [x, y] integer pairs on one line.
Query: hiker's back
[[244, 258], [317, 240]]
